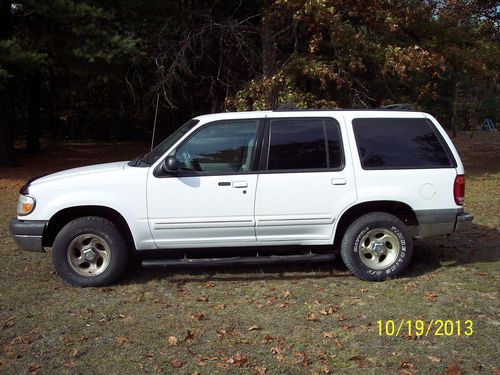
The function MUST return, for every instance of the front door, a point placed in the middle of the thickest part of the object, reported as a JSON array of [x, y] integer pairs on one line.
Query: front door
[[211, 199]]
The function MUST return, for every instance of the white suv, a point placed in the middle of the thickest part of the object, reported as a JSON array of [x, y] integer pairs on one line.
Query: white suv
[[255, 183]]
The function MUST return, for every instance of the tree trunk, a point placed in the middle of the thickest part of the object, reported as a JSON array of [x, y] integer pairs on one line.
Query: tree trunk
[[7, 157], [269, 47], [33, 128], [53, 126]]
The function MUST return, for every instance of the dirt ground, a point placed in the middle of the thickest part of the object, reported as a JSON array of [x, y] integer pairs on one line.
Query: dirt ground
[[291, 319]]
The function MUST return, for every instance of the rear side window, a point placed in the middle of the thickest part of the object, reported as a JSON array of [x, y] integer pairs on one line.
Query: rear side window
[[391, 143], [304, 144]]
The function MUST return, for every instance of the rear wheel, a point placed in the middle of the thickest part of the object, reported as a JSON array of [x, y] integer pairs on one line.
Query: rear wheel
[[376, 246], [89, 251]]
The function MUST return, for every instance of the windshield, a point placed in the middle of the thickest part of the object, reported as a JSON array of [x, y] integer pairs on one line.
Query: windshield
[[159, 150]]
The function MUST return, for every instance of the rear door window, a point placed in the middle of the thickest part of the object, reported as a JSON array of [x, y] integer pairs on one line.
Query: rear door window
[[302, 144], [392, 143]]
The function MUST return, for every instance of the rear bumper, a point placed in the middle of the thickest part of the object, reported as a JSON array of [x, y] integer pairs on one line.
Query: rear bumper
[[437, 222], [28, 234], [464, 221]]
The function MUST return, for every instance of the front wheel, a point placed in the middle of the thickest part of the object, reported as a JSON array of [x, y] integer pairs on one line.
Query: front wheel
[[89, 251], [376, 246]]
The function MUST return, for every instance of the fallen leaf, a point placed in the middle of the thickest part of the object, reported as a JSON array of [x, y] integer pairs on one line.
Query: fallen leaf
[[260, 370], [33, 367], [303, 358], [267, 339], [240, 360], [219, 306], [364, 290], [312, 317], [434, 359], [430, 296], [189, 336], [172, 340], [329, 335], [276, 350], [254, 328], [453, 369], [198, 316], [202, 299], [175, 363], [122, 340], [285, 293], [9, 322]]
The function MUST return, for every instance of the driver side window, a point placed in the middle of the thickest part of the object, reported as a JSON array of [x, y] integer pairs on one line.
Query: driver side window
[[226, 146]]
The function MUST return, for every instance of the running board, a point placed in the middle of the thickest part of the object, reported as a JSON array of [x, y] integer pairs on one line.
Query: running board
[[256, 260]]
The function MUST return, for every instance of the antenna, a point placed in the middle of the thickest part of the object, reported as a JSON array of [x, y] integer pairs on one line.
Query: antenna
[[154, 124]]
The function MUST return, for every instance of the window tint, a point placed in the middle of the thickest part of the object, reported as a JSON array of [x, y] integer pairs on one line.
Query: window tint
[[301, 144], [334, 144], [399, 143], [222, 147]]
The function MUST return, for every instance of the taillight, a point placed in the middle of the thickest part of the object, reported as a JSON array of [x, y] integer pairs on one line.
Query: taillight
[[459, 189]]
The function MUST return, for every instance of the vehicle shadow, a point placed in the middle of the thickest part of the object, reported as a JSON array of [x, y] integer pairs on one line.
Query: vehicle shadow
[[478, 244]]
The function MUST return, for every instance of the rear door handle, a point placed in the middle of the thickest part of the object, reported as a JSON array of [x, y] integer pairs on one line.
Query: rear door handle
[[240, 184], [339, 181]]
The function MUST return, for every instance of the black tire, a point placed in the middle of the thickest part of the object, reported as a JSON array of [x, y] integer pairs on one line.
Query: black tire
[[107, 239], [376, 246]]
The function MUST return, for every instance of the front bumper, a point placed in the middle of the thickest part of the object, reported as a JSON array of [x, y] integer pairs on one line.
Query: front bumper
[[28, 234]]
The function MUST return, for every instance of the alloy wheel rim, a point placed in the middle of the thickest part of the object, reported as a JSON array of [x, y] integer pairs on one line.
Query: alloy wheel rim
[[379, 248], [89, 255]]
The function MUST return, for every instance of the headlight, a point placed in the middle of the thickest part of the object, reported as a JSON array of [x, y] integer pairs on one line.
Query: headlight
[[25, 205]]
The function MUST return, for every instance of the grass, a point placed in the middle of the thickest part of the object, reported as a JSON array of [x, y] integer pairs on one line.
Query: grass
[[274, 320]]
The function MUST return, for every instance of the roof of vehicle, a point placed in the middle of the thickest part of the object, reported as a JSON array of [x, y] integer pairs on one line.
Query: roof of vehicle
[[375, 112]]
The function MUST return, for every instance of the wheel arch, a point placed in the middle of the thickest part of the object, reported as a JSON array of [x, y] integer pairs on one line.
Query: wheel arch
[[399, 209], [64, 216]]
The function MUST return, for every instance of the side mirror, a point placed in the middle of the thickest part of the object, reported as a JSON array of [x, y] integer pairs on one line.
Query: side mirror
[[171, 165]]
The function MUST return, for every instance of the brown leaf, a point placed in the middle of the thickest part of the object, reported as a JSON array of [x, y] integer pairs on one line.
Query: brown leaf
[[221, 332], [172, 340], [34, 366], [453, 369], [430, 296], [276, 350], [406, 368], [202, 299], [254, 328], [175, 363], [496, 370], [122, 340], [303, 358], [312, 317], [9, 322], [198, 316], [329, 335], [189, 336], [434, 359], [240, 360], [285, 293], [260, 370], [219, 306], [267, 339]]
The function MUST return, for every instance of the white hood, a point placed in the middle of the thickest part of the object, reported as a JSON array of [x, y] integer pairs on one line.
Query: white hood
[[82, 171]]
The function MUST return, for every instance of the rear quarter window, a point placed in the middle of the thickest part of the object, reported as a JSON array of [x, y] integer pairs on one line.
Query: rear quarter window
[[392, 143]]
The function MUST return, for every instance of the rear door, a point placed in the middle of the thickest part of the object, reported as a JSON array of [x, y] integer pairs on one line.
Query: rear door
[[305, 180]]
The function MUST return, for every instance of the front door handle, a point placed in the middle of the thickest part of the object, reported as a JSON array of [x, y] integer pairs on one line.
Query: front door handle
[[240, 184], [339, 181]]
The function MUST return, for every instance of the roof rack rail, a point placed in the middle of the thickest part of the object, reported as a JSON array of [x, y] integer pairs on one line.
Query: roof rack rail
[[398, 107], [290, 106]]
